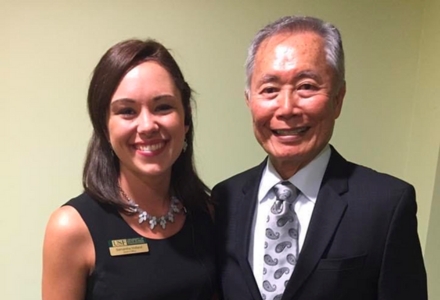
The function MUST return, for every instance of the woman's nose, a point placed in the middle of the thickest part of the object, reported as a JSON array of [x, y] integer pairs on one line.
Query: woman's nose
[[147, 123]]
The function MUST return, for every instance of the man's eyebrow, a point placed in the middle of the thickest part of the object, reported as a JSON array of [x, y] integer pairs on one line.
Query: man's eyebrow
[[308, 74], [268, 78]]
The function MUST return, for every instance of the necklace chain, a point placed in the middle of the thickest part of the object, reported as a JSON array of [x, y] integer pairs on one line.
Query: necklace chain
[[153, 220]]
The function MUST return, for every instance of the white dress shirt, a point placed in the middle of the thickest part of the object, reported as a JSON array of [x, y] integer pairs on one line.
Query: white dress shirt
[[307, 181]]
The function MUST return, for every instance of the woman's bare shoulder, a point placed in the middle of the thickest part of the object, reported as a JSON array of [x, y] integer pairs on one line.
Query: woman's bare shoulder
[[67, 246]]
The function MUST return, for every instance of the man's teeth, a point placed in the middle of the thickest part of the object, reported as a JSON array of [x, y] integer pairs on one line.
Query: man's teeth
[[291, 131], [150, 147]]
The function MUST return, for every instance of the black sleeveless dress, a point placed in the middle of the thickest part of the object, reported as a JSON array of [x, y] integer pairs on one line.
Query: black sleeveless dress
[[179, 267]]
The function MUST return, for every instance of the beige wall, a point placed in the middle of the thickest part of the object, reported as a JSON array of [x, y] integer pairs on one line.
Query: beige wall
[[423, 165], [433, 242], [49, 49]]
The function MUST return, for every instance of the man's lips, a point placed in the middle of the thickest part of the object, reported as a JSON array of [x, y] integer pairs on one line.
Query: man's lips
[[291, 131]]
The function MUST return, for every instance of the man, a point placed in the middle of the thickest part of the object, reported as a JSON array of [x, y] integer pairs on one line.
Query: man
[[307, 224]]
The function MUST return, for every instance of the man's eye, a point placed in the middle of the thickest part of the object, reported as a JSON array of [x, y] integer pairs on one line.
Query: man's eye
[[269, 90], [307, 86]]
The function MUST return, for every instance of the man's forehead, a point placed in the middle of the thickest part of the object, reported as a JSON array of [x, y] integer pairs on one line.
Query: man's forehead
[[285, 51], [298, 55], [282, 42]]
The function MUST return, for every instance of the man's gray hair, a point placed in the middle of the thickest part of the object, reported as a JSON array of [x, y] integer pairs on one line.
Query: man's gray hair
[[296, 24]]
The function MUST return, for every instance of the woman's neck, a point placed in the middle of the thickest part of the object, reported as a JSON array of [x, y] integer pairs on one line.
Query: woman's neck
[[151, 193]]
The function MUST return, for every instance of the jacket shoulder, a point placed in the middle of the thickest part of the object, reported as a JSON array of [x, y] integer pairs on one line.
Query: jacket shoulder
[[361, 176], [240, 179], [370, 177]]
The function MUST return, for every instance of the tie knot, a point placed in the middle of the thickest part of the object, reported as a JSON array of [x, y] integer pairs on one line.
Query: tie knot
[[285, 191]]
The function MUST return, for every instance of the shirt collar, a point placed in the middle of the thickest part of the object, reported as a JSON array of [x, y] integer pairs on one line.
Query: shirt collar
[[307, 180]]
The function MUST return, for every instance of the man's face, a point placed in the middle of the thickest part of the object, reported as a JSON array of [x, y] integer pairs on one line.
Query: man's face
[[293, 99]]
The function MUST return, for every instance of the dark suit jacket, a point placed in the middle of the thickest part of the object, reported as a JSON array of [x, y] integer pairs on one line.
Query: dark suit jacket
[[362, 240]]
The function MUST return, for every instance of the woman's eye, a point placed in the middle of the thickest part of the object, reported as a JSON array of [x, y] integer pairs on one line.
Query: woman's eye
[[127, 111], [163, 107]]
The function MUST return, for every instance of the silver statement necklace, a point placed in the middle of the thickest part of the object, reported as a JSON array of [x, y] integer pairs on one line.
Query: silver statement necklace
[[153, 220]]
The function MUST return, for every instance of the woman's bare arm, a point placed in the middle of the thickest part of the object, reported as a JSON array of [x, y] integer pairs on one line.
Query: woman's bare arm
[[68, 256]]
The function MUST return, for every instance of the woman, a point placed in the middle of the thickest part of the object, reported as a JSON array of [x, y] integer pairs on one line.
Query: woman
[[141, 229]]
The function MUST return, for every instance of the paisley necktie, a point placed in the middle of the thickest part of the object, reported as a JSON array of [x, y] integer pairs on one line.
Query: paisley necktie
[[281, 242]]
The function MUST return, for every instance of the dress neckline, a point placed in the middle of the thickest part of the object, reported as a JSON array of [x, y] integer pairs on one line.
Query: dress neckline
[[173, 236]]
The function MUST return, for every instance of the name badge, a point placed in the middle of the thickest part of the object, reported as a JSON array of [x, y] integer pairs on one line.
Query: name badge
[[128, 246]]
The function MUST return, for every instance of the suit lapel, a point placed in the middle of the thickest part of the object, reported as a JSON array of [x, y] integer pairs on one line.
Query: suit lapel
[[328, 211], [245, 215]]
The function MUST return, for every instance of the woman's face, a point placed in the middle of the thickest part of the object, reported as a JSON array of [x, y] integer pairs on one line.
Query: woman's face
[[146, 122]]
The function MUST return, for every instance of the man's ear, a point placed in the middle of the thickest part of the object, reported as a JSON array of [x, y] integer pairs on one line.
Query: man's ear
[[339, 99], [246, 97]]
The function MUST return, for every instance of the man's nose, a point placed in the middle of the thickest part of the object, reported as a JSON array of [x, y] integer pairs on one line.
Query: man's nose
[[286, 104]]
